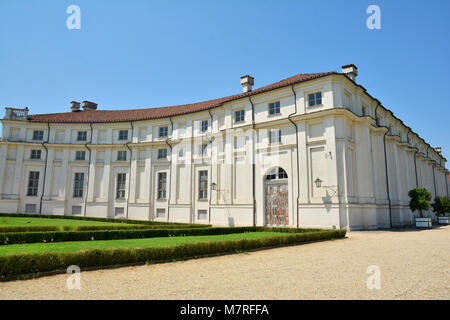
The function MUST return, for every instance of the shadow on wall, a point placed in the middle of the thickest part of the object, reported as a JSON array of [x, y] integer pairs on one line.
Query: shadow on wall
[[230, 221]]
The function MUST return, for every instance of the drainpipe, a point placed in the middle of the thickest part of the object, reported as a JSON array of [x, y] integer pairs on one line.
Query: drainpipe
[[387, 178], [45, 167], [131, 161], [254, 162], [210, 168], [89, 172], [385, 166], [170, 170], [297, 155]]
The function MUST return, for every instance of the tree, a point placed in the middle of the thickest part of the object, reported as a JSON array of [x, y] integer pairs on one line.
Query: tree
[[441, 205], [420, 200]]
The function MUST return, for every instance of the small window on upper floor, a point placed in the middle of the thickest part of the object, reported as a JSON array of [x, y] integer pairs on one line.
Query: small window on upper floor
[[123, 135], [38, 135], [162, 153], [275, 136], [315, 99], [35, 154], [274, 108], [364, 110], [203, 149], [239, 116], [80, 155], [121, 156], [204, 126], [163, 132], [82, 136]]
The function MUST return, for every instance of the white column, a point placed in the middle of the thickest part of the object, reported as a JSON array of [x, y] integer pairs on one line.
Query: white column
[[49, 174], [3, 154], [92, 174]]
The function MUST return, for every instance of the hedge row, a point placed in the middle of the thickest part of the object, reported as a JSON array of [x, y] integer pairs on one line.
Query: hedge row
[[34, 237], [46, 216], [33, 263], [133, 227], [27, 228]]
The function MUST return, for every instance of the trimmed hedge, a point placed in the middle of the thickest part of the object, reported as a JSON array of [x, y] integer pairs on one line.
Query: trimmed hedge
[[33, 263], [34, 237], [27, 229], [137, 227], [46, 216]]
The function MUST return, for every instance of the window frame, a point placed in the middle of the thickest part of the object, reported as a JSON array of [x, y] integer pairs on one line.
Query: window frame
[[83, 135], [36, 154], [204, 126], [276, 108], [123, 135], [78, 185], [160, 151], [121, 186], [161, 186], [80, 152], [314, 95], [203, 185], [120, 156], [33, 183], [164, 130], [279, 136], [241, 119], [38, 135]]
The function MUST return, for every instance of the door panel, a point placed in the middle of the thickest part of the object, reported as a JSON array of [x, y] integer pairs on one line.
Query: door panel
[[276, 204]]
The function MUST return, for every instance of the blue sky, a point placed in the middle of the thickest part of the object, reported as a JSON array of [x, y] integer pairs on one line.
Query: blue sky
[[144, 54]]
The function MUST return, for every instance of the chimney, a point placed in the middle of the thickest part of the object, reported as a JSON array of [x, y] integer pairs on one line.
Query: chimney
[[438, 150], [74, 106], [247, 82], [89, 106], [351, 71]]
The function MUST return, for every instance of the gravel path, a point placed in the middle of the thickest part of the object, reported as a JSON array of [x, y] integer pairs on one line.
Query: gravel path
[[413, 265]]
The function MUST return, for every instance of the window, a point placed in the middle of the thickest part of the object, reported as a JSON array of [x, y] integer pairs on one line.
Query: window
[[364, 110], [204, 126], [275, 136], [82, 136], [119, 211], [274, 108], [203, 185], [181, 152], [162, 153], [277, 173], [202, 214], [160, 213], [33, 183], [315, 99], [35, 154], [80, 155], [123, 135], [76, 210], [78, 185], [30, 208], [121, 183], [38, 135], [121, 156], [162, 185], [203, 149], [163, 132], [239, 116]]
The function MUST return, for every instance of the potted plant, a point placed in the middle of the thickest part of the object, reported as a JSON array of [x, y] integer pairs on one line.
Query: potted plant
[[420, 201], [440, 206]]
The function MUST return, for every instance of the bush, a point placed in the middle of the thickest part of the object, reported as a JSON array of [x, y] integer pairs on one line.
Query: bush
[[420, 200], [31, 263], [27, 229], [441, 206]]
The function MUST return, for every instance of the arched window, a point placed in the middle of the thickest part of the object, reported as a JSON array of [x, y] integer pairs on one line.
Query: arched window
[[276, 174]]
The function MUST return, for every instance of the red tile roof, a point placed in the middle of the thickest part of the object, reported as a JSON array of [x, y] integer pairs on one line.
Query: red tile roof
[[103, 116]]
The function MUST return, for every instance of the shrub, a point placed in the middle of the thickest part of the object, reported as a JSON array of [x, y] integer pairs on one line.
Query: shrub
[[420, 200], [27, 229], [31, 263], [441, 205]]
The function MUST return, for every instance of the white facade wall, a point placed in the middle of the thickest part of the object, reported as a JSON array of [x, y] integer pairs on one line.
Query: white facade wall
[[335, 142]]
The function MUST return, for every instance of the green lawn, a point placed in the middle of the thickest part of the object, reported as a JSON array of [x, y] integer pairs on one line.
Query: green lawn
[[28, 222], [127, 243]]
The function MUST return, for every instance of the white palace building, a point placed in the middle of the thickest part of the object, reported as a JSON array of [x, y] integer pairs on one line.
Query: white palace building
[[313, 150]]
